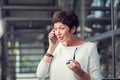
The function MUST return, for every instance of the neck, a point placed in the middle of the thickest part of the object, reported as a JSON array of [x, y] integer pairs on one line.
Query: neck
[[74, 41]]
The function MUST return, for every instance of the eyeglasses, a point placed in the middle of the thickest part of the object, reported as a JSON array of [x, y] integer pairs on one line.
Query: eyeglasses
[[73, 56], [74, 53]]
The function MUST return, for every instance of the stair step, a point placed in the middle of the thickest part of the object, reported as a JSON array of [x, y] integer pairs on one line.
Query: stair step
[[25, 75], [42, 8]]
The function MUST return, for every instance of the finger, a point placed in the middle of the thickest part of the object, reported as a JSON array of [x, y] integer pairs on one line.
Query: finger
[[70, 66], [75, 64], [51, 34], [52, 31], [73, 68], [72, 63]]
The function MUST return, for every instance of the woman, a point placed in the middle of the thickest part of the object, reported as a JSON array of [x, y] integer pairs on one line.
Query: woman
[[68, 57]]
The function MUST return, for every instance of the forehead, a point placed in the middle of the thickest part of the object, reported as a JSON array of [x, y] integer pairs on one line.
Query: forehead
[[59, 24]]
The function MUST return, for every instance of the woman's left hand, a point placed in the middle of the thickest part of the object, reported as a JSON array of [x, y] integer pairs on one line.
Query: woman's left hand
[[76, 68], [74, 65]]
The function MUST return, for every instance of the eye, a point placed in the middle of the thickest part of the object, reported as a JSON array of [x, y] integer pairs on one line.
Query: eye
[[61, 28]]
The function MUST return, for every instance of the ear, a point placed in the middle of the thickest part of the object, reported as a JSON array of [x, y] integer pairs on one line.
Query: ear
[[73, 29]]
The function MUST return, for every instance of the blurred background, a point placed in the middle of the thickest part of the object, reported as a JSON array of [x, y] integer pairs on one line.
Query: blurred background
[[25, 24]]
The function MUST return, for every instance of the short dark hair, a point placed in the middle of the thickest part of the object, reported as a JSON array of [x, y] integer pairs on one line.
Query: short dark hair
[[68, 18]]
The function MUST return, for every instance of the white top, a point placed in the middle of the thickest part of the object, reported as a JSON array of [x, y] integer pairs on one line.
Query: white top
[[86, 55]]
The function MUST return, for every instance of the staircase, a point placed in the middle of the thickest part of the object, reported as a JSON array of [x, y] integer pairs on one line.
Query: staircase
[[26, 23]]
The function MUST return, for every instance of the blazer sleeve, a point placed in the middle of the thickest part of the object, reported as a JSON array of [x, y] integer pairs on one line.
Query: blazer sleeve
[[43, 70], [94, 64]]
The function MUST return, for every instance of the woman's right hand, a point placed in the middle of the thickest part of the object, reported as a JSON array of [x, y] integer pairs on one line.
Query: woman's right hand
[[53, 42]]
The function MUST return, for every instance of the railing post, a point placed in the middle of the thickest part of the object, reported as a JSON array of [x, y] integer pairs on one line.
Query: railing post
[[113, 39]]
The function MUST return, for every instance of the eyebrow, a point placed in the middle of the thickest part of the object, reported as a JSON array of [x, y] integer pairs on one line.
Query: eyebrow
[[74, 53]]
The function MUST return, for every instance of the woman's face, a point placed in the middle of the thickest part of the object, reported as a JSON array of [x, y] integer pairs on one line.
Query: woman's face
[[62, 32]]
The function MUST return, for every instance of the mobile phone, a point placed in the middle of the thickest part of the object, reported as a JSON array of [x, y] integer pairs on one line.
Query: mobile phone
[[54, 39]]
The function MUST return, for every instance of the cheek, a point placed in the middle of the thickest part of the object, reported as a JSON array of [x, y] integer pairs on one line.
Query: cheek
[[60, 33], [67, 35]]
